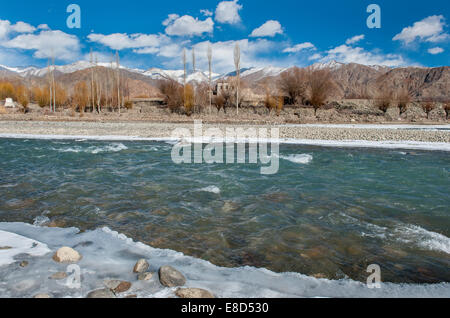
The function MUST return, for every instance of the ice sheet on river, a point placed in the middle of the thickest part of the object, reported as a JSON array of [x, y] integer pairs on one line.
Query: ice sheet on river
[[110, 255]]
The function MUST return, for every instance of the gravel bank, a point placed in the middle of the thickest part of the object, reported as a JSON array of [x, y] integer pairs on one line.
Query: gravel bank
[[164, 130]]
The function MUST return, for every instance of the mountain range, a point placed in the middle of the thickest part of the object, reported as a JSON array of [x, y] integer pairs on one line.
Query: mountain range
[[352, 80]]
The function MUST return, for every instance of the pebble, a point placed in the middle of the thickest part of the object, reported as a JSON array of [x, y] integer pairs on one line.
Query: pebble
[[145, 276], [193, 293], [101, 293], [170, 277], [59, 276], [141, 266], [66, 255], [23, 264], [118, 286]]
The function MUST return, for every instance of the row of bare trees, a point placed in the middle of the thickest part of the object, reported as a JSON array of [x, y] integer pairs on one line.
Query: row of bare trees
[[306, 87]]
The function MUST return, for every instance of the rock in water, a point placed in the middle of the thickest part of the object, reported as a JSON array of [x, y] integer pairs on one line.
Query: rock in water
[[59, 276], [66, 255], [145, 276], [101, 293], [141, 266], [118, 286], [23, 264], [193, 293], [170, 277]]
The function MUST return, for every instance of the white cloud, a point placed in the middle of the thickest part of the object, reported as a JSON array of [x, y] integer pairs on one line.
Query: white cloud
[[348, 54], [22, 27], [355, 39], [270, 29], [228, 12], [120, 41], [299, 47], [436, 50], [6, 28], [206, 13], [172, 17], [46, 44], [188, 26], [171, 51], [43, 27], [147, 50], [315, 57], [252, 52], [430, 29]]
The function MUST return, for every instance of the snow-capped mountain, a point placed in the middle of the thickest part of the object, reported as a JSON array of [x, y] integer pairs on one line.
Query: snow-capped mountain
[[178, 75], [333, 65]]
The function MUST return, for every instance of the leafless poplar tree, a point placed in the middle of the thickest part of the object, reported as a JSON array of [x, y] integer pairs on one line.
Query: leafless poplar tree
[[210, 75], [92, 80], [53, 83], [50, 86], [184, 76], [237, 64], [118, 79]]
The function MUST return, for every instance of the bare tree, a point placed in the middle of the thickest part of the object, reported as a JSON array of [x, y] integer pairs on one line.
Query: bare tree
[[92, 79], [237, 64], [184, 74], [54, 83], [320, 88], [173, 93], [118, 79], [50, 86], [193, 70], [383, 100], [403, 98], [293, 83], [210, 75], [428, 106]]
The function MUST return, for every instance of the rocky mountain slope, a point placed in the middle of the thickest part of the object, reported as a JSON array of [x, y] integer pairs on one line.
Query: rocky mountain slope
[[352, 80]]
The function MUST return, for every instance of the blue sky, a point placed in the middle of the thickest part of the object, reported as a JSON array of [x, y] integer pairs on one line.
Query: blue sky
[[278, 33]]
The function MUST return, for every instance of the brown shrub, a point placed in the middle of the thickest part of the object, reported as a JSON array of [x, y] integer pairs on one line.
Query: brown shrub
[[80, 97], [447, 109], [320, 88], [128, 104], [293, 83], [7, 90], [41, 96], [188, 99], [173, 94], [403, 98], [219, 102], [428, 106], [383, 100]]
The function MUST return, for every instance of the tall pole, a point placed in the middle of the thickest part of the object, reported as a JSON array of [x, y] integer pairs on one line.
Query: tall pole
[[54, 84], [118, 80], [237, 63], [92, 81], [49, 77], [184, 77], [210, 75], [193, 70]]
